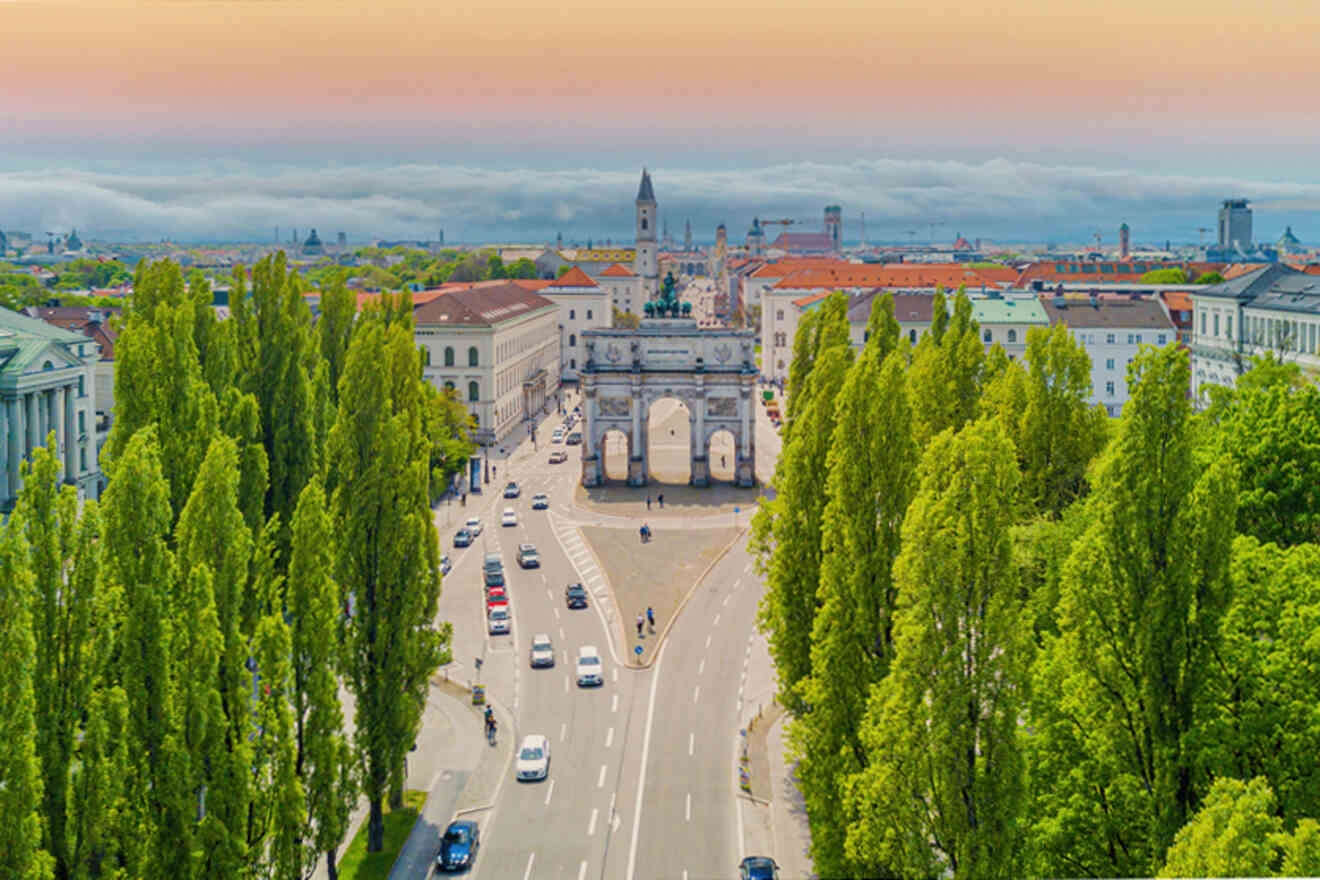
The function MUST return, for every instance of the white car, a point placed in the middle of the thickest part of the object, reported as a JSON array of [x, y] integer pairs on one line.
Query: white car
[[533, 757], [557, 436], [589, 669], [498, 620], [508, 518], [542, 652], [473, 525]]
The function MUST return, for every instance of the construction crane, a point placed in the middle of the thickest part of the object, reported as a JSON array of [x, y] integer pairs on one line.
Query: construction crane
[[1203, 230], [932, 224], [784, 222]]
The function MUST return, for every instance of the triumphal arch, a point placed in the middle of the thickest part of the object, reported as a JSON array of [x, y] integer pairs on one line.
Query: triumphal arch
[[712, 372]]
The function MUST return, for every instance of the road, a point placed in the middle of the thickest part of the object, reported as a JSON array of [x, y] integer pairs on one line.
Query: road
[[642, 780]]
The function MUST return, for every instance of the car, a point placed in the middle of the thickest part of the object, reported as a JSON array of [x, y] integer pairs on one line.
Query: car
[[492, 562], [445, 565], [558, 456], [496, 596], [589, 669], [574, 439], [508, 517], [498, 619], [473, 525], [528, 557], [512, 490], [557, 436], [493, 577], [542, 652], [540, 502], [459, 846], [533, 757], [463, 538], [758, 868], [576, 596]]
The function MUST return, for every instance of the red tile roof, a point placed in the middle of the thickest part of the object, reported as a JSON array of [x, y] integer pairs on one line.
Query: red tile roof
[[482, 305], [574, 277], [850, 275], [804, 301], [789, 265], [617, 270]]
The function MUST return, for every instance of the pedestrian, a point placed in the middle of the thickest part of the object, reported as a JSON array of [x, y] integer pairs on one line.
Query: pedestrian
[[650, 617], [661, 499], [648, 502], [465, 499], [639, 627], [721, 461]]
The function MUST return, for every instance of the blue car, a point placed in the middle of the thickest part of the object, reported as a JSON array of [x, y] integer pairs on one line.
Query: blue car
[[758, 868], [462, 538], [445, 565], [458, 847]]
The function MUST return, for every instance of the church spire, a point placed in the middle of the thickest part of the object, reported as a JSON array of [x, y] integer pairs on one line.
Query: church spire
[[644, 191]]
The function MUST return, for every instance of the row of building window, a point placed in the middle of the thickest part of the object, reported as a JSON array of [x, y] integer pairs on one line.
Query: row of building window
[[474, 359], [474, 390], [1282, 333]]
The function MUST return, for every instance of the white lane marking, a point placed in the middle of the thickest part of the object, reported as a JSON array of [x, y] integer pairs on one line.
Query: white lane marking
[[692, 741], [614, 703], [531, 857], [565, 656], [582, 871], [549, 792], [702, 666], [591, 825], [556, 610], [600, 780], [736, 584], [747, 568], [549, 594], [696, 693], [565, 684], [687, 808], [616, 674], [561, 632], [563, 731], [716, 621], [641, 771], [708, 641], [685, 877], [723, 604], [609, 739]]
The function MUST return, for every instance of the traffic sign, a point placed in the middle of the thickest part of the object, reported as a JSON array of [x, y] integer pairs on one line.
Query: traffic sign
[[735, 510], [638, 650]]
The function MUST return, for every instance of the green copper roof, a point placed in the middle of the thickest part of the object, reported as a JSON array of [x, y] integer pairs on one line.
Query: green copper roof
[[1008, 311]]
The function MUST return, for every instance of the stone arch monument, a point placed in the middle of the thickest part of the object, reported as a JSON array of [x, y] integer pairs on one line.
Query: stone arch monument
[[713, 372]]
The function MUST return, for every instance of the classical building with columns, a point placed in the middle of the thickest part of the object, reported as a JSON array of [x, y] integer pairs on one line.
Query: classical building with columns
[[47, 383]]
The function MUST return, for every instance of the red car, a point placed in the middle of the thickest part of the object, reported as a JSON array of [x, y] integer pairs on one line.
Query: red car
[[496, 596]]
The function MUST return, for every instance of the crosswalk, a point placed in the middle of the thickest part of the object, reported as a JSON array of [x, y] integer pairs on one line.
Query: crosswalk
[[584, 563]]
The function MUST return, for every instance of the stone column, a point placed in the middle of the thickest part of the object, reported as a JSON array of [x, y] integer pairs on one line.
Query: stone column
[[745, 476], [70, 435], [637, 469], [52, 418], [592, 472], [699, 468], [33, 426], [14, 452]]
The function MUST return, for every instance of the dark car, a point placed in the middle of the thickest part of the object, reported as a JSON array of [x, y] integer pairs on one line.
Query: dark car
[[462, 538], [458, 847], [540, 502], [758, 868], [445, 565], [512, 490], [494, 577], [576, 596], [574, 439]]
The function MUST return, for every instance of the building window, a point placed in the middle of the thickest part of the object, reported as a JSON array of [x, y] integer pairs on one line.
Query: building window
[[572, 363], [48, 366], [643, 221], [912, 336], [1109, 389], [82, 388], [1228, 328], [1109, 339], [572, 314], [1109, 363], [1216, 324], [449, 355], [986, 335], [449, 386], [1203, 323], [588, 314], [474, 391], [472, 356], [572, 340], [1161, 339], [1012, 336], [779, 314], [1138, 339], [82, 422], [82, 459]]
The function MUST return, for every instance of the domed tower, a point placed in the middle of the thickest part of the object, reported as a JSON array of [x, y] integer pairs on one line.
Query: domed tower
[[756, 237], [646, 264], [1124, 242]]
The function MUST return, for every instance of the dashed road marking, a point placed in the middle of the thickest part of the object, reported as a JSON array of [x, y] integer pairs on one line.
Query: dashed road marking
[[563, 730], [716, 621], [708, 638], [696, 693], [582, 871], [591, 825], [600, 780], [692, 742], [565, 684], [549, 792], [687, 808], [609, 740], [702, 666], [531, 857], [614, 703], [615, 676]]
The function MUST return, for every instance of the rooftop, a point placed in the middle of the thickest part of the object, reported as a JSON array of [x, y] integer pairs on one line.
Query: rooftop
[[574, 277], [1008, 311], [483, 305], [1123, 314]]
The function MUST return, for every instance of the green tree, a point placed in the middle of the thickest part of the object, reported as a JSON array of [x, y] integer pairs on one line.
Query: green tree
[[335, 328], [1209, 278], [389, 566], [1173, 275], [882, 326], [943, 790], [276, 820], [324, 761], [494, 267], [872, 469], [21, 854], [626, 320], [1114, 770], [939, 320], [448, 427], [65, 559], [520, 268], [786, 532]]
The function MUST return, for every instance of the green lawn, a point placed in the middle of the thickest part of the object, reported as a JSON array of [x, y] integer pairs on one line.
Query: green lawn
[[357, 864]]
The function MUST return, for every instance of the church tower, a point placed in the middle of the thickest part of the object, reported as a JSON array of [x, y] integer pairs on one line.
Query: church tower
[[646, 265]]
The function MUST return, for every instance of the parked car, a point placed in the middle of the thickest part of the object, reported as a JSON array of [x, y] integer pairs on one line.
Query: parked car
[[473, 525], [528, 557], [498, 619], [558, 456], [542, 652], [589, 669], [576, 596], [459, 846], [462, 538], [534, 757], [512, 490], [758, 868], [445, 565], [540, 502]]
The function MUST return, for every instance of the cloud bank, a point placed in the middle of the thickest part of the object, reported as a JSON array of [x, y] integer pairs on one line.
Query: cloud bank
[[1000, 199]]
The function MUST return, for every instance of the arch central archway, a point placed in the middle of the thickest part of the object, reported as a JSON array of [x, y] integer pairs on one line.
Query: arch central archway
[[615, 451], [669, 456]]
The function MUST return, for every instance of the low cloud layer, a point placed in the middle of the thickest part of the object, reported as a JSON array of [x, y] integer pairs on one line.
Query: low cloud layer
[[999, 199]]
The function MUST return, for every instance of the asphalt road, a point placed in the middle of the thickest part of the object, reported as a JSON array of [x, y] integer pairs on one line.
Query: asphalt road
[[642, 778]]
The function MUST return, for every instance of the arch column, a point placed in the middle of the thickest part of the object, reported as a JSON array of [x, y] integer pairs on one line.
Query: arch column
[[637, 470], [593, 473], [699, 463], [744, 475]]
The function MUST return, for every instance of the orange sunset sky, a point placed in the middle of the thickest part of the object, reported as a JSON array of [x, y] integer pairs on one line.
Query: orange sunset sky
[[935, 68]]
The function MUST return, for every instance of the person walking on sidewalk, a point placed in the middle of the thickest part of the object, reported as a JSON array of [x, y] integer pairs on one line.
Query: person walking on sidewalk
[[661, 499], [648, 502], [650, 617], [639, 626]]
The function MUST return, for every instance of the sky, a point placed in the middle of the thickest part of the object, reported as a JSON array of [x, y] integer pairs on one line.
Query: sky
[[516, 119]]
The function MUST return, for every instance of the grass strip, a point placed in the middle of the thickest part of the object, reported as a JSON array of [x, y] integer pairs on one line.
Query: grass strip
[[358, 864]]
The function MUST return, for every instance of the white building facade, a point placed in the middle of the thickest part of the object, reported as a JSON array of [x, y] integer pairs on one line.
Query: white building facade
[[496, 346], [583, 305]]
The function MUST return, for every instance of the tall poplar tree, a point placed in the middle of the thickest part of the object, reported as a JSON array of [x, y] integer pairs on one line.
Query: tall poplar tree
[[872, 469], [334, 329], [1114, 766], [942, 794], [388, 554], [21, 854], [324, 760]]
